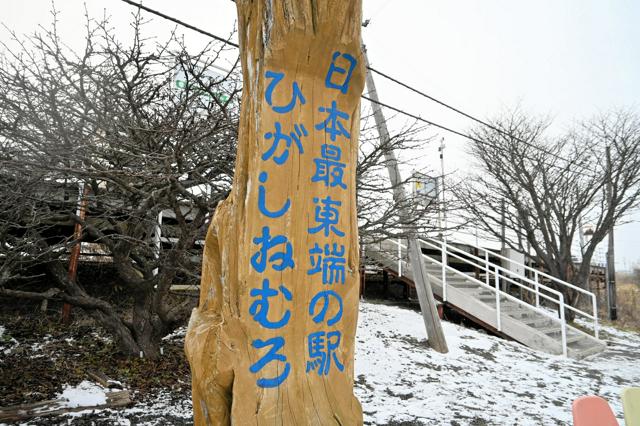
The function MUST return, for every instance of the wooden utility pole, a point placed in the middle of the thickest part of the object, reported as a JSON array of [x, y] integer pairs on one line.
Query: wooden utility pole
[[611, 259], [272, 339], [420, 277]]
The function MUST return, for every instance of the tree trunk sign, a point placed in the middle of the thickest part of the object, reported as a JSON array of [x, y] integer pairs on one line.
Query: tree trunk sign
[[272, 341]]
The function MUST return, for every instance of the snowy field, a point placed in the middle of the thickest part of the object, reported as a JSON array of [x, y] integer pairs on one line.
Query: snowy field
[[483, 380]]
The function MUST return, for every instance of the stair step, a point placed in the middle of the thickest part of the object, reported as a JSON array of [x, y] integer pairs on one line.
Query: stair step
[[554, 329], [575, 338], [465, 284], [538, 322]]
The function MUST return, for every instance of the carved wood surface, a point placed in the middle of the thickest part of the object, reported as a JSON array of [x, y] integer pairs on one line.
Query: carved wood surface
[[272, 341]]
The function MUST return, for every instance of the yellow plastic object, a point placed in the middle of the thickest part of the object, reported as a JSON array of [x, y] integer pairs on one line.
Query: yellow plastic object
[[631, 406]]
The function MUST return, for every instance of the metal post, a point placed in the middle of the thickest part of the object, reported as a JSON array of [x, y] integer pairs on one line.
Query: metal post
[[486, 267], [563, 326], [595, 315], [537, 287], [444, 200], [611, 264], [497, 283], [443, 246], [399, 257]]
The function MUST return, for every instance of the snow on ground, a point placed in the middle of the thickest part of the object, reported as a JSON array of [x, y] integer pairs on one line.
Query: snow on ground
[[483, 380], [7, 343], [85, 394]]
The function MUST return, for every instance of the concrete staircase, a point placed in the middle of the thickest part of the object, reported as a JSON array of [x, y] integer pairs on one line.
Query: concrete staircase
[[536, 325]]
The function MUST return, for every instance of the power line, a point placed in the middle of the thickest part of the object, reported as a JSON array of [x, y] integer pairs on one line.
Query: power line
[[388, 77], [455, 132], [223, 40], [179, 22], [484, 123], [424, 120]]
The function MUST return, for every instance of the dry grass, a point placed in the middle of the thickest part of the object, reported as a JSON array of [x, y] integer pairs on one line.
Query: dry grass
[[628, 303]]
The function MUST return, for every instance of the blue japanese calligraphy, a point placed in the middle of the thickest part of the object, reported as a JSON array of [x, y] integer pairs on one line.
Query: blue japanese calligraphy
[[262, 203], [276, 344], [327, 215], [280, 260], [325, 297], [329, 169], [278, 136], [276, 78], [259, 309], [331, 263], [322, 348], [332, 124], [343, 86]]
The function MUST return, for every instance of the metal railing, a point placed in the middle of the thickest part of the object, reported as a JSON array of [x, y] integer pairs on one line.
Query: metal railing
[[538, 289], [499, 294], [535, 281]]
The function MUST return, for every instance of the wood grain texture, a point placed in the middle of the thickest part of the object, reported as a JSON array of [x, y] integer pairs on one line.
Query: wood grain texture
[[299, 39]]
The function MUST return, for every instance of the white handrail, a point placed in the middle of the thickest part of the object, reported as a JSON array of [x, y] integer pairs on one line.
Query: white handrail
[[536, 282], [529, 268], [558, 300], [498, 319], [499, 293], [499, 268], [444, 270]]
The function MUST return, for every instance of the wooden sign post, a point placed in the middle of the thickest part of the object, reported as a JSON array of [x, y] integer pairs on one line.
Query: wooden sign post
[[272, 341]]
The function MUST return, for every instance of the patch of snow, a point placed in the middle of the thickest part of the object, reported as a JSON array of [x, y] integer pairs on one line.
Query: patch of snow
[[482, 378], [177, 333], [85, 394], [7, 343]]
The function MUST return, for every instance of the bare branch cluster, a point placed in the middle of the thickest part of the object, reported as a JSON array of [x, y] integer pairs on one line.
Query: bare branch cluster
[[551, 188]]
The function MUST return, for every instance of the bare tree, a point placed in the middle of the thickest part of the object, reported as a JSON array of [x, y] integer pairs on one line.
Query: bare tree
[[112, 119], [550, 187], [378, 211]]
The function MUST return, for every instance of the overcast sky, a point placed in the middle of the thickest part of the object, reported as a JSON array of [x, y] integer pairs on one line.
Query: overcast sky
[[568, 59]]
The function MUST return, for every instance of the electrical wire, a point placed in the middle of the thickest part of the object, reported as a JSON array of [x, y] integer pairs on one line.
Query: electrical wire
[[450, 130], [477, 120], [416, 117], [179, 22]]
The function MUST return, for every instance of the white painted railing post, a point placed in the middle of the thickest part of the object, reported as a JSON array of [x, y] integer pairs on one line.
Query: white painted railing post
[[444, 269], [563, 325], [537, 287], [498, 319], [595, 315], [399, 257], [487, 277]]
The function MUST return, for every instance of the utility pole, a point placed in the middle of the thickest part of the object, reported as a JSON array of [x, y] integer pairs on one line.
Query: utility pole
[[444, 200], [611, 259], [503, 226], [421, 279]]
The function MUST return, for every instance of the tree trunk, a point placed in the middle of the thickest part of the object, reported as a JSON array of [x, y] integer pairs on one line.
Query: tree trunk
[[143, 335], [272, 341]]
